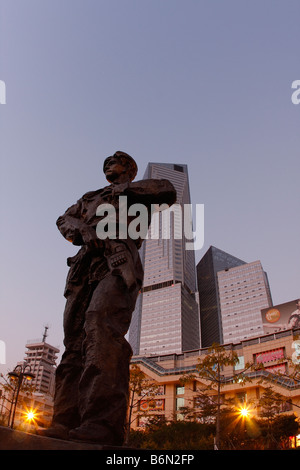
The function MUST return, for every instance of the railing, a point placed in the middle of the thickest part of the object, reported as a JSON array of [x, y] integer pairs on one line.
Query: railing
[[229, 346], [286, 382]]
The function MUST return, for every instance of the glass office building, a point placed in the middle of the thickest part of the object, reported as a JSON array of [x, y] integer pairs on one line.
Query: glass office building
[[213, 261], [232, 294], [166, 317], [243, 291]]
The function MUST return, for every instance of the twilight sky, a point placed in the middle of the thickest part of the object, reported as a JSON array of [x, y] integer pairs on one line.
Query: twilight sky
[[206, 83]]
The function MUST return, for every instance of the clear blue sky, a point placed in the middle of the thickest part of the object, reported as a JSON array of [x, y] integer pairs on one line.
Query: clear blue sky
[[207, 83]]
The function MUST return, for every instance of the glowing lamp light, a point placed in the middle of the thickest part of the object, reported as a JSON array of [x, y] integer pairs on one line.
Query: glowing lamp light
[[13, 375], [244, 412], [30, 415], [29, 376]]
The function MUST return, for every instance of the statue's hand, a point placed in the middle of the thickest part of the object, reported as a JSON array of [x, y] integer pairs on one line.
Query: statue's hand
[[89, 237]]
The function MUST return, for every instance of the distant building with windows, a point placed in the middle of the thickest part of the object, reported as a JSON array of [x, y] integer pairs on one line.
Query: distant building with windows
[[41, 357], [166, 317], [243, 291], [232, 294], [172, 398], [212, 262]]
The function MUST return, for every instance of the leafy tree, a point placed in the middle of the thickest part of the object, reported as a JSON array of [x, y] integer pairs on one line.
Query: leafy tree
[[202, 408], [140, 388], [275, 428], [277, 435], [211, 414], [270, 402], [174, 435], [210, 368], [284, 427], [238, 431]]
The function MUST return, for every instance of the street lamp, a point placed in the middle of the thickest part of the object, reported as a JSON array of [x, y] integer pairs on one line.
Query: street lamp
[[21, 372], [244, 412], [30, 415]]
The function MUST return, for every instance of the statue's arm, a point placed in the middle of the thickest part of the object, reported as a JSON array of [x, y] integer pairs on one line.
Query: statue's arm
[[151, 191], [73, 228]]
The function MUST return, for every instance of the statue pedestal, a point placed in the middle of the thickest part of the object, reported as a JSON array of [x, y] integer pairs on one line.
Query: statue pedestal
[[11, 439]]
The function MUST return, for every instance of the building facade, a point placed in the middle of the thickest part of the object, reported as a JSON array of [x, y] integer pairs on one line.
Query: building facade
[[212, 262], [243, 292], [274, 352], [232, 295], [166, 317], [41, 357]]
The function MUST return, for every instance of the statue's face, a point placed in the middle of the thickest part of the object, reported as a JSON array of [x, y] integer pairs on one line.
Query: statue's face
[[113, 169]]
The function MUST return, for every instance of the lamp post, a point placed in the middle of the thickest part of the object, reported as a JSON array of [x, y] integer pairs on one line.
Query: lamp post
[[19, 373]]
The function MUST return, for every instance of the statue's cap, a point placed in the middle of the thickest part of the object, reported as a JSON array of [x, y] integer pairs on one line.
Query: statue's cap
[[124, 157]]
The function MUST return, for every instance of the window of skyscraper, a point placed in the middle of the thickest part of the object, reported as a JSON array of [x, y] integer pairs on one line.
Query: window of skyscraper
[[179, 390]]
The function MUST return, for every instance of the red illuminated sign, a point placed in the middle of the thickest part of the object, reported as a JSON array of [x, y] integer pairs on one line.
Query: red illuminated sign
[[269, 356]]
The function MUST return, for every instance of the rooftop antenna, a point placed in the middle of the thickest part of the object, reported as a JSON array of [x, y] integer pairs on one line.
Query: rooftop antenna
[[45, 333]]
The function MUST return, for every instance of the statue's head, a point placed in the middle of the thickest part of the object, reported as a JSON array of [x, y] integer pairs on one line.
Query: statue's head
[[120, 164]]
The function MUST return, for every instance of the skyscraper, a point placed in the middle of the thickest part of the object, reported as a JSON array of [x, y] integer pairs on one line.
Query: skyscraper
[[232, 294], [166, 317], [213, 261], [243, 291], [41, 357]]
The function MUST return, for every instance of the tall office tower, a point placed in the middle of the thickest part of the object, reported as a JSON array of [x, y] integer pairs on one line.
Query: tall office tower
[[213, 261], [230, 307], [166, 317], [41, 357], [243, 292]]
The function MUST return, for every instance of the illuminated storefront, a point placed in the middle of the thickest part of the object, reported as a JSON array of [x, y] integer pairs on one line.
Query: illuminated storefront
[[273, 352]]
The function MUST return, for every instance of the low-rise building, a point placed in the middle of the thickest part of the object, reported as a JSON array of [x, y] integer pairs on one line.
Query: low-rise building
[[277, 353]]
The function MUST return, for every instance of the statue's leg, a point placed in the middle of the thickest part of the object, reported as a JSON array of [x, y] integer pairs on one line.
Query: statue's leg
[[68, 373], [104, 384]]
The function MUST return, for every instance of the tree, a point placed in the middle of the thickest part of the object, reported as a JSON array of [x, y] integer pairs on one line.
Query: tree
[[140, 388], [271, 404], [210, 368], [284, 427], [202, 406], [160, 434]]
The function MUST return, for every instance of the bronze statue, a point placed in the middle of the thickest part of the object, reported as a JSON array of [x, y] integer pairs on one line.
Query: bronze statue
[[104, 279]]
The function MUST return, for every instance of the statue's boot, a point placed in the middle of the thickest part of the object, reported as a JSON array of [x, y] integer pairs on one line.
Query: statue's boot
[[57, 431], [95, 434]]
